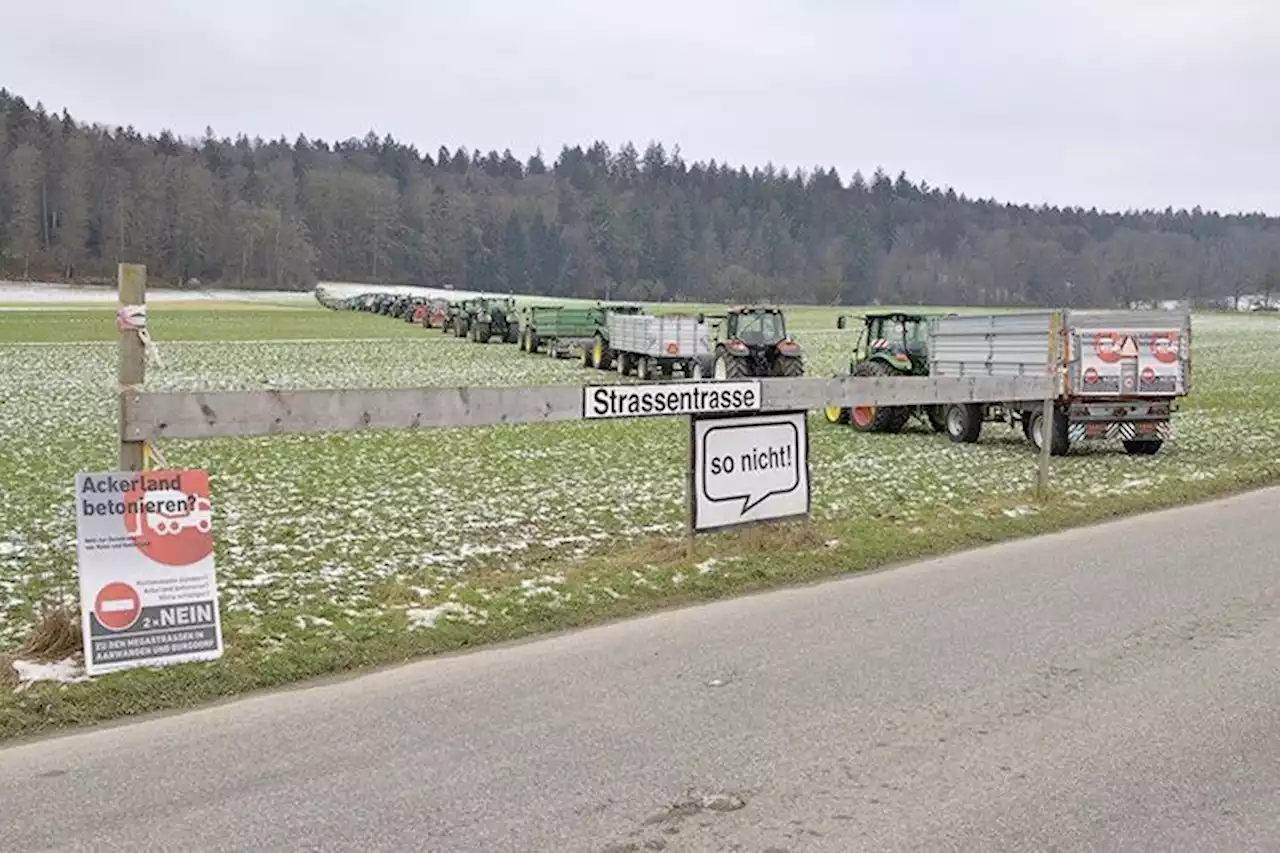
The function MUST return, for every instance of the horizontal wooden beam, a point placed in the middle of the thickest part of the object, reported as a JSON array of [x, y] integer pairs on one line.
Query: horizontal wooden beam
[[149, 416]]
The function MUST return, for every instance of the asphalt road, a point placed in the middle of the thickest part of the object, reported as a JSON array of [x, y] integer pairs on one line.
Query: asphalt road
[[1115, 688]]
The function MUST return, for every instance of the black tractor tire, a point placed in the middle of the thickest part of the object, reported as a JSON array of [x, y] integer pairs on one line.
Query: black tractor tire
[[512, 335], [624, 363], [534, 342], [1143, 446], [1059, 442], [483, 333], [601, 356], [586, 356], [732, 366], [889, 419], [787, 365], [964, 422], [937, 416]]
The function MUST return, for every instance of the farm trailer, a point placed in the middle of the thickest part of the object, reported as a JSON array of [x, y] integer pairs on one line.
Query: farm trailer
[[563, 330], [649, 345], [1119, 374]]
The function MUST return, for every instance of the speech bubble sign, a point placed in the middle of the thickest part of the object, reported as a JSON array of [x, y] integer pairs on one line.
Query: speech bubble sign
[[750, 463]]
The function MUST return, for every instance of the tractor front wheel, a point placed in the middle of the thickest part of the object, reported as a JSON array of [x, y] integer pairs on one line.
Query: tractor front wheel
[[600, 356]]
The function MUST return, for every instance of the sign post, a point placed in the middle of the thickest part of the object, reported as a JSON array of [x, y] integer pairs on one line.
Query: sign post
[[148, 593], [748, 468]]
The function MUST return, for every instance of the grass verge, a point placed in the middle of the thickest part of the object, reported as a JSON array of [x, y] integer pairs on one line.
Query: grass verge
[[642, 578]]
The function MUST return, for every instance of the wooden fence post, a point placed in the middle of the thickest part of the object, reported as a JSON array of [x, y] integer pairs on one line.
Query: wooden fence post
[[132, 280], [1046, 446]]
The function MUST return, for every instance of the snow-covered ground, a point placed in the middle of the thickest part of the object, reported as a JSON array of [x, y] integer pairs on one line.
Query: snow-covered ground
[[23, 293], [17, 295]]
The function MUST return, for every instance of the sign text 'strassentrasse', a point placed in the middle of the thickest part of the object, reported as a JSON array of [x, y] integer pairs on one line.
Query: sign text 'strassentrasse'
[[669, 398]]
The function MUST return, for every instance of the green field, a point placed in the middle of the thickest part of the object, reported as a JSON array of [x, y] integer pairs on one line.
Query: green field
[[363, 548]]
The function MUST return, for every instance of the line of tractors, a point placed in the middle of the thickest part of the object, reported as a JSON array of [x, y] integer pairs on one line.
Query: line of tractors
[[745, 341]]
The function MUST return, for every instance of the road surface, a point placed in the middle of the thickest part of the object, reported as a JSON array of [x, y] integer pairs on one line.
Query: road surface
[[1115, 688]]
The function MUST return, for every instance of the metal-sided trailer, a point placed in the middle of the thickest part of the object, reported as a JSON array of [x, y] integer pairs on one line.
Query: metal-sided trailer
[[652, 345], [1119, 374]]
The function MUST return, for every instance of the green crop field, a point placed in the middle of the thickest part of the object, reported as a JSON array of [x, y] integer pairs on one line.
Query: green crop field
[[341, 550]]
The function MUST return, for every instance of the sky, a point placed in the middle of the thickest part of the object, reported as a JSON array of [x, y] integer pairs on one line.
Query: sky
[[1118, 104]]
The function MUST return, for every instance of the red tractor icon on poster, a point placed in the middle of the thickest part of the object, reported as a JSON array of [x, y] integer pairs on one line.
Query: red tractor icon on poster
[[170, 512]]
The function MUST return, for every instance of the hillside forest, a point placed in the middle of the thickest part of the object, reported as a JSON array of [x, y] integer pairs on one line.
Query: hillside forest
[[595, 221]]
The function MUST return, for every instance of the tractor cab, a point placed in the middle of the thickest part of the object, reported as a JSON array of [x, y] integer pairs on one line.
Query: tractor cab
[[896, 337], [756, 327]]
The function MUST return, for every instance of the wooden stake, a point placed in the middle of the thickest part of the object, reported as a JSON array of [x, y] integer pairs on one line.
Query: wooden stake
[[1046, 444], [132, 280]]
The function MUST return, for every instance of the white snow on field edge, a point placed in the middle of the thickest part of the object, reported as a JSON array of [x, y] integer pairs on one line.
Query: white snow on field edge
[[21, 293], [65, 671]]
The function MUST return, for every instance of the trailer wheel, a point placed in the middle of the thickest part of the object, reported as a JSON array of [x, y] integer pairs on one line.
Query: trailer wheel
[[667, 370], [624, 363], [937, 417], [964, 422], [1143, 447], [1059, 441], [643, 370]]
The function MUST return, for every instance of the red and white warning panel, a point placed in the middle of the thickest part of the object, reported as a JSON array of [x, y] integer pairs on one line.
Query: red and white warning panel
[[1130, 362], [148, 591]]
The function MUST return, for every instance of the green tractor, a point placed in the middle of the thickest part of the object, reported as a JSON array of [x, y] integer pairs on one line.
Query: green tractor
[[891, 344], [457, 318], [752, 341], [492, 318]]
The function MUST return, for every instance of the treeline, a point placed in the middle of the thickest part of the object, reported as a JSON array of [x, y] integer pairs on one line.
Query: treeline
[[596, 222]]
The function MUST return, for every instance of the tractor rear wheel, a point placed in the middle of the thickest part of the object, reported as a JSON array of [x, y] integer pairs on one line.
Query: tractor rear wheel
[[731, 367], [878, 418], [788, 366], [836, 414]]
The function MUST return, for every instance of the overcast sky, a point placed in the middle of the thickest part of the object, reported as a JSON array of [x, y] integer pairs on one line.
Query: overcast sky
[[1114, 103]]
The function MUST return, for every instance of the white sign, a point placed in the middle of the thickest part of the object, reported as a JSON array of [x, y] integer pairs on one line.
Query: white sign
[[749, 468], [669, 398], [144, 548]]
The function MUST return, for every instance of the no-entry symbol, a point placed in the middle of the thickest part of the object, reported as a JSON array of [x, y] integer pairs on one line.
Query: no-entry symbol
[[117, 606]]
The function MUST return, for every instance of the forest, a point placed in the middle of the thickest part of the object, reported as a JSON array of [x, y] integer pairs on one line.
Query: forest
[[600, 221]]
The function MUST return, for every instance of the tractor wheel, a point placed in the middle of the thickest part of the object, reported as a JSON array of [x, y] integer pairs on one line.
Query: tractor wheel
[[731, 367], [788, 366], [878, 418], [483, 333], [534, 342], [601, 358], [512, 335], [1142, 447], [1059, 442], [964, 422], [836, 414]]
